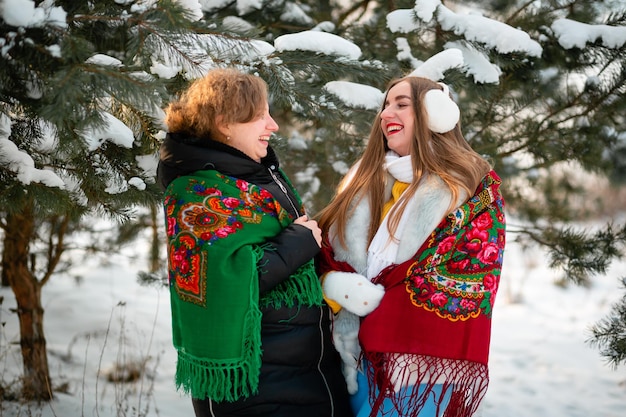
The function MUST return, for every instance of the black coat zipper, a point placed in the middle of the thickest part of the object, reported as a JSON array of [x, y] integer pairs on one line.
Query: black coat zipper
[[284, 190]]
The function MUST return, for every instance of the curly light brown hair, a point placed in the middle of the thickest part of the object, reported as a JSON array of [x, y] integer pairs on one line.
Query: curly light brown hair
[[227, 92]]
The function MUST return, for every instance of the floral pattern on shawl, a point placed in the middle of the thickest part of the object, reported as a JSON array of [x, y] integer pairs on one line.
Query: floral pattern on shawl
[[457, 273], [198, 223]]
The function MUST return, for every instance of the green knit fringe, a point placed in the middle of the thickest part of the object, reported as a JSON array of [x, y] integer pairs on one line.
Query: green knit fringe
[[303, 287], [227, 380]]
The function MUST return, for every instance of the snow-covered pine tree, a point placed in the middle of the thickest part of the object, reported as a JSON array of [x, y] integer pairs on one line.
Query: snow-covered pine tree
[[79, 111], [552, 123]]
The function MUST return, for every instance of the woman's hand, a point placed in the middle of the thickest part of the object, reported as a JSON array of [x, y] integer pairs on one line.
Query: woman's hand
[[312, 226]]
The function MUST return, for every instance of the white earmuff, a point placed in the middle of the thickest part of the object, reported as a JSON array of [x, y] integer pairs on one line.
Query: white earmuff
[[443, 113]]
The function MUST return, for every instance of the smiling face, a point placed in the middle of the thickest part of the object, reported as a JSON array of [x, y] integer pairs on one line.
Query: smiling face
[[252, 137], [397, 119]]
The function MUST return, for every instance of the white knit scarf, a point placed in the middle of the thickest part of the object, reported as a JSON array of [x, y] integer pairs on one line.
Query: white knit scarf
[[383, 251]]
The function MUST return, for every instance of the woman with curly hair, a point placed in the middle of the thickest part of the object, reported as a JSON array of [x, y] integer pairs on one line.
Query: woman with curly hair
[[249, 321]]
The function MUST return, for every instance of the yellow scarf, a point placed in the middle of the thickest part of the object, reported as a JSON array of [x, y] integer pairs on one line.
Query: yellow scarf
[[396, 191]]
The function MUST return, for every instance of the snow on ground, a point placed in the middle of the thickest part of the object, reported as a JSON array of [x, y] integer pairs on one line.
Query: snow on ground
[[540, 362]]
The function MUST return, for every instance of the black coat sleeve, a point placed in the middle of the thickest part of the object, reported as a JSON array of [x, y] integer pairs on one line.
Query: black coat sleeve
[[284, 254]]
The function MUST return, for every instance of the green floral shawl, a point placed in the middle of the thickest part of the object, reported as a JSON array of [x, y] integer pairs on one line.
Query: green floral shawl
[[216, 230]]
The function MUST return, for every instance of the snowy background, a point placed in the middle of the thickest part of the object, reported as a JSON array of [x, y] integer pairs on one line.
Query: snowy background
[[99, 319], [541, 364]]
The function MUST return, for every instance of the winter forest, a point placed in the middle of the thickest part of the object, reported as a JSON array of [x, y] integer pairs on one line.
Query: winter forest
[[542, 90]]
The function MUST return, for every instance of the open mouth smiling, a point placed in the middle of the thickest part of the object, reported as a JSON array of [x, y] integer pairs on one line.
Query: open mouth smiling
[[393, 128]]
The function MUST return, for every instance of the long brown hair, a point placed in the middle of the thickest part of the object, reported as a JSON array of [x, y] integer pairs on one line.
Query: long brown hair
[[447, 155], [236, 96]]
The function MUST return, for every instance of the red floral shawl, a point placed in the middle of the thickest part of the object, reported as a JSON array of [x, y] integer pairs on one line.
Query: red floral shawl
[[433, 325]]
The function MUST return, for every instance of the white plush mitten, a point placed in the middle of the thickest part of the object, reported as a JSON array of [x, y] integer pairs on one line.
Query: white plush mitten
[[346, 340], [353, 292]]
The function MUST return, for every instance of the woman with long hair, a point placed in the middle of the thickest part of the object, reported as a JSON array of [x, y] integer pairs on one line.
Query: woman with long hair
[[412, 250]]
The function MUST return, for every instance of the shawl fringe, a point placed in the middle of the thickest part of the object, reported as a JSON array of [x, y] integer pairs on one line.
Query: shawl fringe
[[410, 381], [224, 381], [303, 287]]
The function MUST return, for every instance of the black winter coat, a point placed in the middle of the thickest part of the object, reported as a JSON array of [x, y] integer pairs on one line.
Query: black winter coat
[[300, 369]]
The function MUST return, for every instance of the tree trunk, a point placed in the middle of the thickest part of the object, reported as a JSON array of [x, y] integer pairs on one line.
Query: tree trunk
[[155, 246], [4, 280], [27, 290]]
